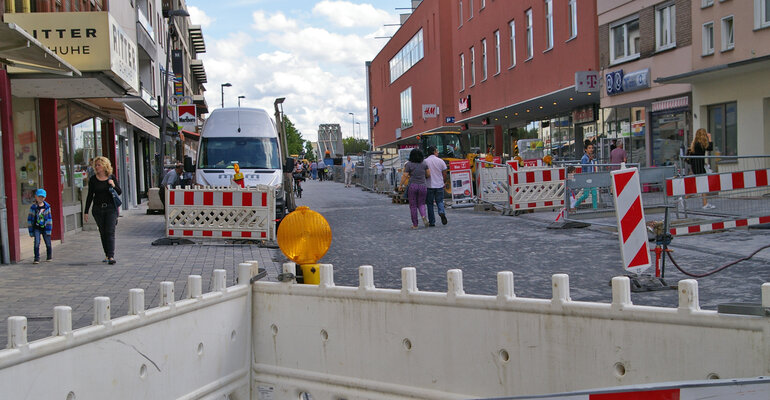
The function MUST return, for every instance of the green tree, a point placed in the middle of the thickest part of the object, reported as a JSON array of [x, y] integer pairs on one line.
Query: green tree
[[354, 146], [309, 154], [294, 140]]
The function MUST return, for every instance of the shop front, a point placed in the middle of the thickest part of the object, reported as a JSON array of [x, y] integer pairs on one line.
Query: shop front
[[671, 130]]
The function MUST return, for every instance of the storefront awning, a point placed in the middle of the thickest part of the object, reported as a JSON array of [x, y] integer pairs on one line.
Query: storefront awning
[[19, 49], [133, 118], [719, 71], [191, 135]]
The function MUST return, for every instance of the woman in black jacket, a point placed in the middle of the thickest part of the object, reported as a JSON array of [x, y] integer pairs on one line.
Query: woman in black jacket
[[701, 143], [105, 212]]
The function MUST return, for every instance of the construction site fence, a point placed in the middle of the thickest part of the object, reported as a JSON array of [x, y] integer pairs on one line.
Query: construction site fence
[[492, 183], [588, 195], [281, 340], [720, 164]]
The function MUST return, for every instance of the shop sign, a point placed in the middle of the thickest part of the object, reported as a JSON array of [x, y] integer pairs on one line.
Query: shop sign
[[460, 178], [618, 82], [464, 104], [429, 111], [187, 118], [89, 41], [637, 128], [398, 133], [583, 115], [586, 81], [450, 120]]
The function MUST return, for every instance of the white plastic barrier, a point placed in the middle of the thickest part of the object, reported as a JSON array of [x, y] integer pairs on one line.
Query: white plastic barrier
[[492, 182], [197, 347], [536, 188], [226, 212]]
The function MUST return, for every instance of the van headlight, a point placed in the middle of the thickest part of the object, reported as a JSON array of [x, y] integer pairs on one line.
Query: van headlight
[[279, 192]]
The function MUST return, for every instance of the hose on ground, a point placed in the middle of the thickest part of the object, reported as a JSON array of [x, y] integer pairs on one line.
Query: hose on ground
[[718, 269]]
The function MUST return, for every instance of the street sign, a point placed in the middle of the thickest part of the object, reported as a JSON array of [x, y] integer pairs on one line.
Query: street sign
[[187, 118]]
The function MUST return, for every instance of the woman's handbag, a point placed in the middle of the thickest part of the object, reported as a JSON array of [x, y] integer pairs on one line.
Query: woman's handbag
[[115, 198]]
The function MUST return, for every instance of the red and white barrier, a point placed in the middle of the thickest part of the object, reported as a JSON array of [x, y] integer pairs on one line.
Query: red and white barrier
[[536, 188], [228, 212], [744, 389], [632, 228], [717, 182], [719, 226]]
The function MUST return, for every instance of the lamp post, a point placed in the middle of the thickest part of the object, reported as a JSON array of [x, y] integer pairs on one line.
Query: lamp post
[[223, 86], [164, 111], [353, 127], [239, 100], [358, 124]]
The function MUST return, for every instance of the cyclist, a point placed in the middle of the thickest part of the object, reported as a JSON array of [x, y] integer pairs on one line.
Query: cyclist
[[298, 178]]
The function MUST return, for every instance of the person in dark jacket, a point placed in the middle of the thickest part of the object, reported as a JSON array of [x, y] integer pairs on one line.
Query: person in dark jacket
[[105, 211], [40, 224], [701, 143]]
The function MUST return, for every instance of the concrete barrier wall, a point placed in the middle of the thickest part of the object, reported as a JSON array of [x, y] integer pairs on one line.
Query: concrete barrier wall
[[347, 342]]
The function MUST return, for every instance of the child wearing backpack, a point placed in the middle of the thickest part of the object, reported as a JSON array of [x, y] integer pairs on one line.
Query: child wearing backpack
[[40, 223]]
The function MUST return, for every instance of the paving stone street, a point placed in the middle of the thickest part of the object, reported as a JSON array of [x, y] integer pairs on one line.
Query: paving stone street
[[368, 229]]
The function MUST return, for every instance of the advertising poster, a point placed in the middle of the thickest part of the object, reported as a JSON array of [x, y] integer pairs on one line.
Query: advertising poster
[[460, 177]]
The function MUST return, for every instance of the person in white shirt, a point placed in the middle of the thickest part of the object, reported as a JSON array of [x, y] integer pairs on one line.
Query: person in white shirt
[[437, 169], [349, 168]]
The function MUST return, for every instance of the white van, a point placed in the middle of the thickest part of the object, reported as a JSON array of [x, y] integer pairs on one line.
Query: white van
[[246, 136]]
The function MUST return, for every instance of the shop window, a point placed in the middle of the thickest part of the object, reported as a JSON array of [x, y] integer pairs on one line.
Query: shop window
[[668, 137], [65, 154], [708, 39], [26, 152], [624, 40], [728, 39], [665, 26], [406, 108], [572, 19], [723, 126]]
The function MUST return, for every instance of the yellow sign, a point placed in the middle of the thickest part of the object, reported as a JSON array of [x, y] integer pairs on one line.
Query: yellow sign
[[90, 41]]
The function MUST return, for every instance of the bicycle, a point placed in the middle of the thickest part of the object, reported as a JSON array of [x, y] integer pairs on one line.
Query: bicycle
[[297, 184]]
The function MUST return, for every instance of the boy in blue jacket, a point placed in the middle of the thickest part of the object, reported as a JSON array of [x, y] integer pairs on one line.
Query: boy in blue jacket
[[40, 223]]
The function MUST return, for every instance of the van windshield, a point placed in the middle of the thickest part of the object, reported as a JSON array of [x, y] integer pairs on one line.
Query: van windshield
[[251, 153]]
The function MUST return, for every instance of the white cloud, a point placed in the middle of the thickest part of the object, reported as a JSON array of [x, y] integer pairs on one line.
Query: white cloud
[[199, 17], [276, 22], [349, 15]]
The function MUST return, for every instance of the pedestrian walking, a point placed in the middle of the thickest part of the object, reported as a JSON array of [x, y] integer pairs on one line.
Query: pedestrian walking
[[102, 190], [435, 193], [172, 178], [321, 170], [349, 167], [314, 170], [701, 143], [618, 155], [40, 224], [589, 158], [415, 174]]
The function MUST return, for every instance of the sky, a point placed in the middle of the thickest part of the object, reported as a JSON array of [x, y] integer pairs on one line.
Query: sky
[[311, 52]]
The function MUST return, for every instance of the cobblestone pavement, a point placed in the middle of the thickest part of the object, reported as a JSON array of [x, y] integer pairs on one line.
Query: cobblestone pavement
[[368, 229], [77, 274]]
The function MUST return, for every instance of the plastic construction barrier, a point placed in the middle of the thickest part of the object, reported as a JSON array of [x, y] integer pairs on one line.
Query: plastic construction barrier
[[632, 229], [227, 212], [536, 188]]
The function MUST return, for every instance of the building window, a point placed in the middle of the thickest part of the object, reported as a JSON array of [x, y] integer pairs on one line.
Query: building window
[[484, 59], [462, 72], [512, 25], [723, 125], [406, 108], [708, 38], [473, 66], [706, 3], [530, 45], [549, 24], [482, 4], [470, 9], [624, 40], [728, 39], [762, 13], [407, 57], [460, 6], [497, 52], [665, 26], [572, 19]]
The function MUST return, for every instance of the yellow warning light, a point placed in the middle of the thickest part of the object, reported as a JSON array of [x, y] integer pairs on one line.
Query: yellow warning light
[[304, 236]]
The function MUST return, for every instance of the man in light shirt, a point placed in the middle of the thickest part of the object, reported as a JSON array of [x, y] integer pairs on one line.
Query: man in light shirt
[[349, 167], [437, 169]]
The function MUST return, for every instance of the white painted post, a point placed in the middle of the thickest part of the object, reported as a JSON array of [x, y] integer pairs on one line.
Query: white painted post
[[454, 283], [290, 268], [62, 320], [365, 277], [621, 291], [135, 301], [688, 295], [101, 310], [254, 268], [766, 295], [244, 273], [166, 293], [194, 286], [17, 332], [560, 287], [218, 282], [327, 275], [505, 285], [408, 280]]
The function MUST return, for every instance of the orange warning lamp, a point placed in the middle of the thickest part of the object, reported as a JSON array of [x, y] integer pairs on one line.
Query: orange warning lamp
[[238, 177], [304, 236]]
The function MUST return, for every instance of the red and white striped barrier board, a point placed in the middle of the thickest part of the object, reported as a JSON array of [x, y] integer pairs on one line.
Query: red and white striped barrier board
[[719, 226], [536, 188], [717, 182], [221, 213], [632, 229]]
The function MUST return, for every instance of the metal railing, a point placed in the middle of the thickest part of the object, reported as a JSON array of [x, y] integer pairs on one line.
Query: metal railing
[[719, 164]]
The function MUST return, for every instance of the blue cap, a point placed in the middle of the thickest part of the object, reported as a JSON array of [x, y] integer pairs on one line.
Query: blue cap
[[40, 192]]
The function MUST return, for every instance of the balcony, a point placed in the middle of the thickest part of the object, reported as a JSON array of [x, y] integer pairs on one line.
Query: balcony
[[196, 39], [196, 66]]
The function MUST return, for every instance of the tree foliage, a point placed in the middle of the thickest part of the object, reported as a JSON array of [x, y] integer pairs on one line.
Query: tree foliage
[[294, 140], [354, 146], [309, 154]]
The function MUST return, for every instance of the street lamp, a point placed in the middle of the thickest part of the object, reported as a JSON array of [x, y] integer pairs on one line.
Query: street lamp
[[239, 100], [171, 14], [353, 127], [223, 86]]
